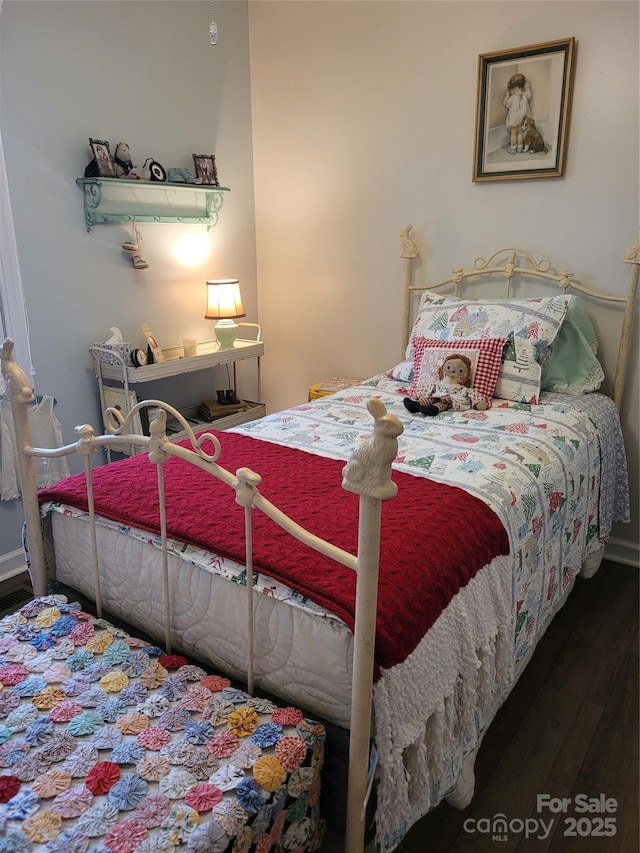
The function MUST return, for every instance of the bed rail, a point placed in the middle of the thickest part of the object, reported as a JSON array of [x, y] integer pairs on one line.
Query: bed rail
[[367, 473], [511, 262]]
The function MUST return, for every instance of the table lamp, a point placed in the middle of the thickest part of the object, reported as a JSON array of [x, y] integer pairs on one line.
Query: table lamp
[[224, 304]]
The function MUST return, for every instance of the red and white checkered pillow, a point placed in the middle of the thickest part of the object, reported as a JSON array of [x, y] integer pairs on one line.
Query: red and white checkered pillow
[[485, 356]]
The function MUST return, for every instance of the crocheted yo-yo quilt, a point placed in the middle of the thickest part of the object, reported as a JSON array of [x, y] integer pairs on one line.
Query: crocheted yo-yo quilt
[[108, 745]]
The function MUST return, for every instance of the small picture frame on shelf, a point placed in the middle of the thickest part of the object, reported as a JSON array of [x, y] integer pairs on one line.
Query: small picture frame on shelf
[[116, 398], [103, 159], [206, 170], [154, 350]]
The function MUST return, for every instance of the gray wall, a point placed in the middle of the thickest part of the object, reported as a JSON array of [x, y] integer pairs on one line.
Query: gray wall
[[144, 73]]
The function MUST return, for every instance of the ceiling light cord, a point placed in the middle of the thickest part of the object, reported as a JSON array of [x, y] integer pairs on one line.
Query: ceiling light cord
[[213, 28]]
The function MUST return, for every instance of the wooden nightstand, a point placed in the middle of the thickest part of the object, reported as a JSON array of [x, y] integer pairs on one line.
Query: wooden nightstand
[[329, 386]]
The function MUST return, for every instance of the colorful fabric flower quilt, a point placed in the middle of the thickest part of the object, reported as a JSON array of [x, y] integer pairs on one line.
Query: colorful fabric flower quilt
[[107, 745]]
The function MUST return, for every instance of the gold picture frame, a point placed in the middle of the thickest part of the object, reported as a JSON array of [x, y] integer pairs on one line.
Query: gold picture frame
[[523, 110]]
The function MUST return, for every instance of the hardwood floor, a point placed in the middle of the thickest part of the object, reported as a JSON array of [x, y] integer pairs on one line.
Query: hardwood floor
[[569, 728]]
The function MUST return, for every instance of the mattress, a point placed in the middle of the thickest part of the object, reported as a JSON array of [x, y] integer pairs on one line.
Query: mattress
[[553, 473]]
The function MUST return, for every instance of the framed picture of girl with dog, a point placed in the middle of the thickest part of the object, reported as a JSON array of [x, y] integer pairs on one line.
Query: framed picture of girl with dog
[[522, 112]]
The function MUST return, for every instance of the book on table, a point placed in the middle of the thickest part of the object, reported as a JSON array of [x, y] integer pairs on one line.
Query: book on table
[[336, 383], [212, 409]]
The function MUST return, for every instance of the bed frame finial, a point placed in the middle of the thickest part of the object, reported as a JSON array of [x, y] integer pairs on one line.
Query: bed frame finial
[[633, 255], [158, 436], [408, 251], [408, 248], [86, 439], [246, 486], [565, 281], [19, 393], [17, 386], [368, 471]]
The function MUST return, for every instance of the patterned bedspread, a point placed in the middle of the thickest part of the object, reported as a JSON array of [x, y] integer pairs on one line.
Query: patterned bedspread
[[520, 459], [109, 746], [555, 486]]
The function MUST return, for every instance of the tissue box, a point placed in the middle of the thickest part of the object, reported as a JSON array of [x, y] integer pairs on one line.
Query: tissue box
[[122, 349]]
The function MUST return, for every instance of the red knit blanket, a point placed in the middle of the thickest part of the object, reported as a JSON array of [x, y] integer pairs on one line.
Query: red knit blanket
[[435, 537]]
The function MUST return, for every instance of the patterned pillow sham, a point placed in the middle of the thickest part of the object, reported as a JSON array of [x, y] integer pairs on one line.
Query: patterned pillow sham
[[531, 325], [571, 365], [520, 377], [450, 317], [485, 357], [402, 372]]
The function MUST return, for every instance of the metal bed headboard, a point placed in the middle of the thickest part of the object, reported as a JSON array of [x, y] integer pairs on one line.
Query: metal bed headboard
[[511, 262]]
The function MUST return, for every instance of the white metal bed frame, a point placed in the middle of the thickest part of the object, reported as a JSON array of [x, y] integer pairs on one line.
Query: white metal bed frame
[[368, 473]]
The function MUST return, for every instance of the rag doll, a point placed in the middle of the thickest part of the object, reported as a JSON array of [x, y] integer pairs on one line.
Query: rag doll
[[452, 390]]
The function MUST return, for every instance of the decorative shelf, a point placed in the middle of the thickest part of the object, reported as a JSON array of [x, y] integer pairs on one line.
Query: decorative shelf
[[209, 355], [125, 200]]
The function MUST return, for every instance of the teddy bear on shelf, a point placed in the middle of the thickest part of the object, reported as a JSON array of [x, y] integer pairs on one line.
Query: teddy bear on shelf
[[122, 160], [451, 391]]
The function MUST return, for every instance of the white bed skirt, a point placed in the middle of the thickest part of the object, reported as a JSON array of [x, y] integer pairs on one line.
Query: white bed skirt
[[298, 658]]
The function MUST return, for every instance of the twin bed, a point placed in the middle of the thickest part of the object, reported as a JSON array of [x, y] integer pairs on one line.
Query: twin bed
[[465, 532]]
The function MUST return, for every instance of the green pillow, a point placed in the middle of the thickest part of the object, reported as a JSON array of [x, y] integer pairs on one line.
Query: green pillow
[[573, 367]]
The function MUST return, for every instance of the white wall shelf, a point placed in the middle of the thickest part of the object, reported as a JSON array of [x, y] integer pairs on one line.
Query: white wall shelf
[[125, 200]]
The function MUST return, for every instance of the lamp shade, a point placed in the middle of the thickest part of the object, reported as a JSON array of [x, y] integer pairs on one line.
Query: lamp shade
[[223, 299]]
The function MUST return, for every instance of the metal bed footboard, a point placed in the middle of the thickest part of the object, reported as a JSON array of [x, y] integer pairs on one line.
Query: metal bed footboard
[[367, 473]]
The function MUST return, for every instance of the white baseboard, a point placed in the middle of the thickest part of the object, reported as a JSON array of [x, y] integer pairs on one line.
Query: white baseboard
[[621, 551], [11, 564]]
